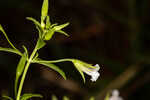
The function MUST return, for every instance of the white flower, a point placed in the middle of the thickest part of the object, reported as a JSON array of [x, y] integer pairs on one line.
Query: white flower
[[93, 72], [88, 69], [115, 95]]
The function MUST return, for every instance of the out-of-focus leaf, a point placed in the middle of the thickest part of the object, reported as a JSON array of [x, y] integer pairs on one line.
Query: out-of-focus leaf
[[65, 98], [54, 97], [52, 66], [7, 97], [107, 97], [28, 96], [92, 98], [10, 50], [20, 69]]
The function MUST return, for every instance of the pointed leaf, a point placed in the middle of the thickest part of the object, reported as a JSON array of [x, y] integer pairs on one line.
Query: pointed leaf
[[7, 97], [10, 50], [62, 32], [20, 69], [2, 30], [48, 23], [54, 97], [37, 24], [49, 34], [54, 67], [59, 27], [34, 21], [28, 96], [53, 25], [40, 31], [44, 10]]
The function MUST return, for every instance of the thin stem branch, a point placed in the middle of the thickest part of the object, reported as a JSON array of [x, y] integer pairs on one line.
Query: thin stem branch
[[25, 72], [52, 61]]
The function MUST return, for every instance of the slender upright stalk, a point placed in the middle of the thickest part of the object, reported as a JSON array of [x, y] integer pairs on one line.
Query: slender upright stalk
[[25, 72]]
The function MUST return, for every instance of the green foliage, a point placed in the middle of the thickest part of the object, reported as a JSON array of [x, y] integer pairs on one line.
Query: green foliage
[[28, 96], [20, 69], [49, 34], [2, 30], [46, 30], [54, 28], [44, 12], [52, 66], [59, 27], [10, 50], [37, 24], [26, 52], [48, 23], [40, 44]]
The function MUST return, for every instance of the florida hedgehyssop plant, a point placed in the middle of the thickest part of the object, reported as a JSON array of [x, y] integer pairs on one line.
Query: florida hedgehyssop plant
[[46, 30]]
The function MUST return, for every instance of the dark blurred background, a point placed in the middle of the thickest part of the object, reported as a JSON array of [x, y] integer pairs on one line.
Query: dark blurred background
[[114, 34]]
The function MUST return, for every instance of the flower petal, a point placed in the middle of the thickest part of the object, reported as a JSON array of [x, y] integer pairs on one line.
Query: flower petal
[[94, 76]]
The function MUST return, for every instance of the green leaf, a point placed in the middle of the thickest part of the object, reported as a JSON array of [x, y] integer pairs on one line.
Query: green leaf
[[65, 98], [40, 44], [7, 97], [62, 32], [48, 23], [34, 21], [59, 27], [54, 67], [2, 30], [44, 10], [54, 97], [20, 69], [28, 96], [26, 51], [49, 34], [10, 50], [53, 25], [37, 24]]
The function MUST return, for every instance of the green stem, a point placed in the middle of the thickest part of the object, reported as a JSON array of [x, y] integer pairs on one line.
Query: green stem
[[52, 61], [25, 72]]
